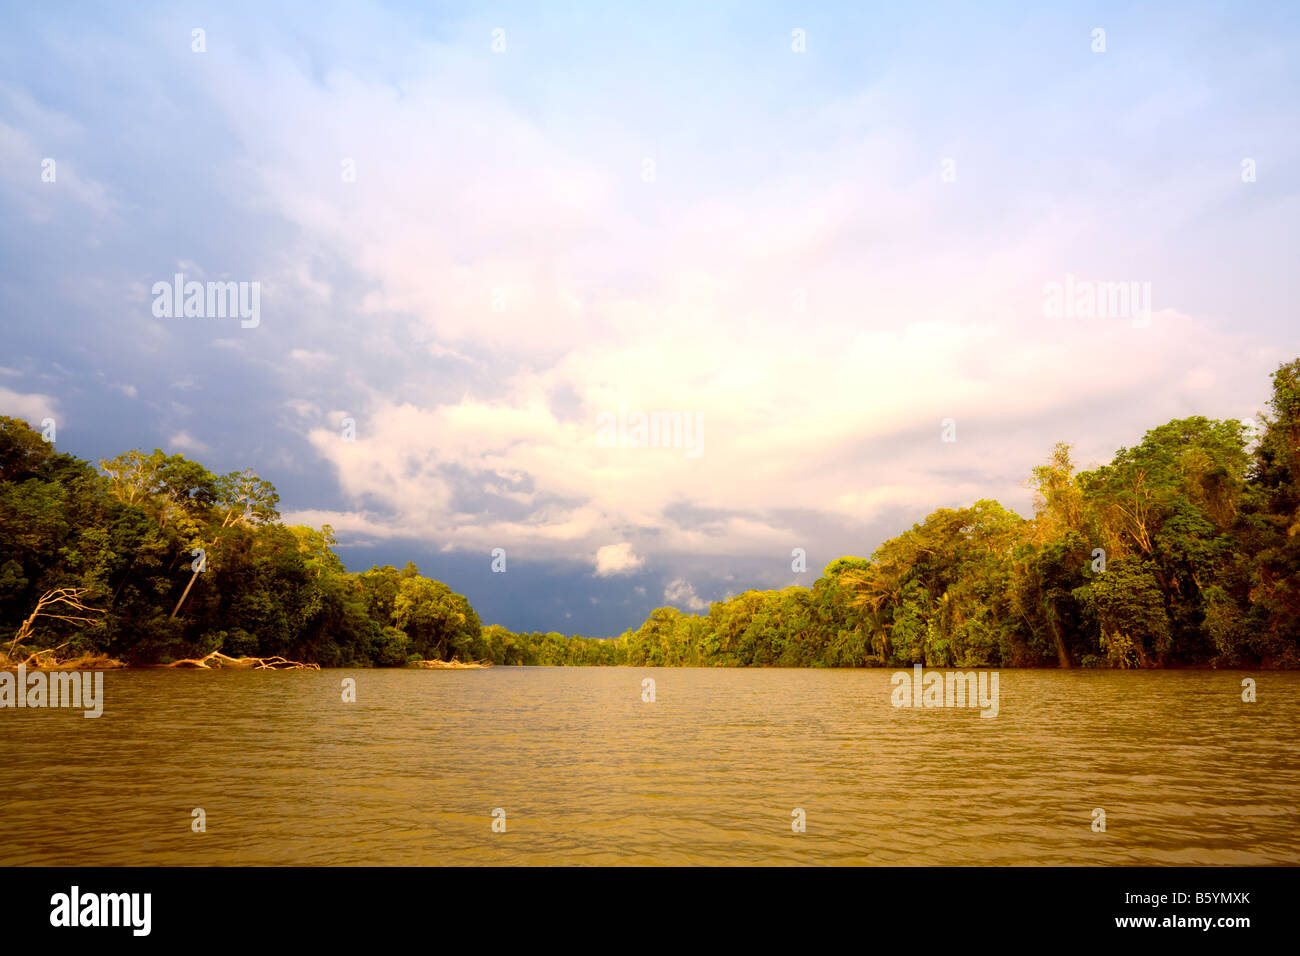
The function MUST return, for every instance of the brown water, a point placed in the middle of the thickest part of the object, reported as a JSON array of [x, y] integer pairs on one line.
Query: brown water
[[710, 772]]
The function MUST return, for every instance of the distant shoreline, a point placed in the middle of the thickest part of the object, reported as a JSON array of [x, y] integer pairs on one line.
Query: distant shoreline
[[447, 665]]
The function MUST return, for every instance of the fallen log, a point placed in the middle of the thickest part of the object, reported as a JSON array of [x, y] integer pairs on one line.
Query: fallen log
[[451, 665], [216, 660]]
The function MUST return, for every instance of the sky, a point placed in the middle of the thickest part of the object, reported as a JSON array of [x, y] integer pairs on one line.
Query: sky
[[486, 235]]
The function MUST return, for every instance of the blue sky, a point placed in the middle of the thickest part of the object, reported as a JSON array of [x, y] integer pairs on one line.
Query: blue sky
[[818, 255]]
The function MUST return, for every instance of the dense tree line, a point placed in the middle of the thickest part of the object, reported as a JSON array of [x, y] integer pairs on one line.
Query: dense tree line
[[1182, 551], [182, 562]]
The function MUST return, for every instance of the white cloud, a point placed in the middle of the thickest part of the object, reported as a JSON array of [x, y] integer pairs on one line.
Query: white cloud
[[32, 407], [183, 441], [310, 358], [680, 593], [615, 559]]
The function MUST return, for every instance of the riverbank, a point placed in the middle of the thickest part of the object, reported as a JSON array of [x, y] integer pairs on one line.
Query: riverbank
[[49, 661], [91, 662], [46, 661]]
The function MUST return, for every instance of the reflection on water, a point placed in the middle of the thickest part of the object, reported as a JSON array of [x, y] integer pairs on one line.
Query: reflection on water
[[708, 773]]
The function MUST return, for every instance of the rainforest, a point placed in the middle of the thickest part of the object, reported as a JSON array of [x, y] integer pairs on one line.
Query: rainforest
[[1182, 551]]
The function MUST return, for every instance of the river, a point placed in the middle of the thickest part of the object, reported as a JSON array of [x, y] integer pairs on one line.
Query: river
[[713, 771]]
